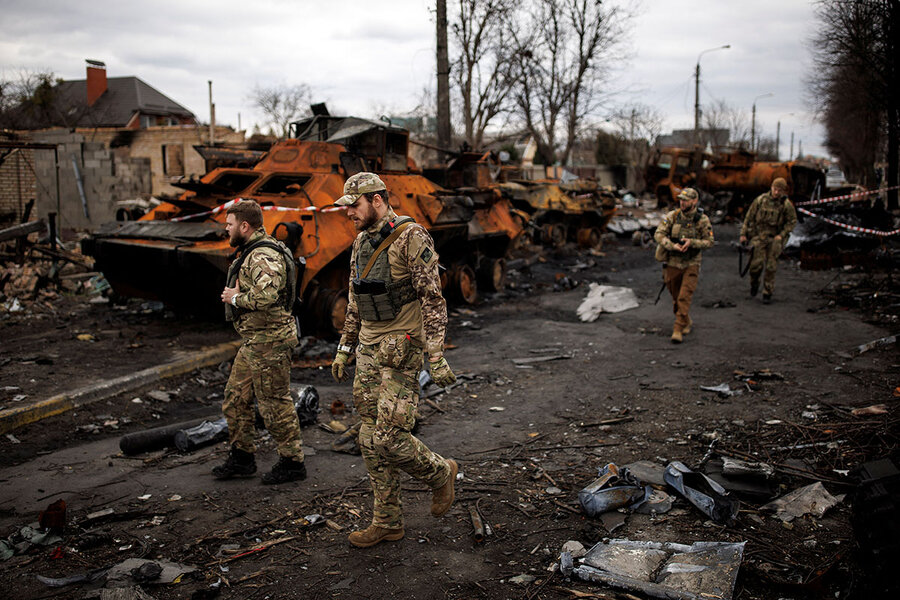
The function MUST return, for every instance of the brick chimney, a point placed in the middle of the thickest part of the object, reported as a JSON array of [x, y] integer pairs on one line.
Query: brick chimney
[[96, 80]]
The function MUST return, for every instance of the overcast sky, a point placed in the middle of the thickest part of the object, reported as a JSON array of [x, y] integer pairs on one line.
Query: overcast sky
[[369, 58]]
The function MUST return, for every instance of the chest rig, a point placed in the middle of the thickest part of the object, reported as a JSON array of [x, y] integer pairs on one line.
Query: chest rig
[[378, 296], [682, 228], [771, 214]]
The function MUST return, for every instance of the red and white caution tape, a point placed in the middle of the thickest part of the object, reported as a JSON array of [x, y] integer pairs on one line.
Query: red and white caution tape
[[850, 227], [854, 197], [231, 203]]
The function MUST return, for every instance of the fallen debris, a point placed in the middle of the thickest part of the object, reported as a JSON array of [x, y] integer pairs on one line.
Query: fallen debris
[[614, 488], [701, 491], [885, 341], [606, 298], [700, 571], [812, 499]]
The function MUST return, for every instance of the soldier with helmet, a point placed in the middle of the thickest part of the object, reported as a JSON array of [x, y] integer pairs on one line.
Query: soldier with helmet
[[683, 234], [769, 220], [396, 315]]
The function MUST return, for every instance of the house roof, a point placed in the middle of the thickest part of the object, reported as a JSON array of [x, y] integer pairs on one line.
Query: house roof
[[124, 96]]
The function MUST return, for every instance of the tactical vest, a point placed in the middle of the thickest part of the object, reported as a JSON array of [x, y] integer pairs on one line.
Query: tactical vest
[[378, 296], [683, 227], [287, 296], [770, 215]]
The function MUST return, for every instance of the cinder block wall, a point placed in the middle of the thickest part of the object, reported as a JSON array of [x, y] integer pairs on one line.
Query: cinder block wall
[[106, 179], [17, 185]]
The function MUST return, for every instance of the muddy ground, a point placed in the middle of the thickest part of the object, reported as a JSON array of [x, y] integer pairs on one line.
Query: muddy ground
[[527, 439]]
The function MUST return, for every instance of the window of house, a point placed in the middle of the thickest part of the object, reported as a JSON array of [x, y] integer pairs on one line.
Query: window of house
[[173, 159]]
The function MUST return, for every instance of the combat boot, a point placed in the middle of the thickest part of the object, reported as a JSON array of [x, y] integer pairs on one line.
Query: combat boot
[[754, 287], [676, 336], [285, 470], [443, 496], [687, 328], [767, 298], [238, 464], [373, 534]]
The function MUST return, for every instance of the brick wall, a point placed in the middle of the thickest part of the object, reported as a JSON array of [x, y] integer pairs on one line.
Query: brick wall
[[17, 185]]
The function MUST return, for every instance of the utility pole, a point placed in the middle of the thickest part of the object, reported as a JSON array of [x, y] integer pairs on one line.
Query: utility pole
[[212, 117], [443, 78], [697, 92], [753, 122]]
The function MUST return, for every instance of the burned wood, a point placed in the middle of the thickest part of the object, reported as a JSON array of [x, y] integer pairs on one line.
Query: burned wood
[[614, 421], [17, 231], [260, 548]]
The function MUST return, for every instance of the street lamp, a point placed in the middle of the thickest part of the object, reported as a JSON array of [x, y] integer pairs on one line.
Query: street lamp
[[753, 121], [778, 136], [697, 91]]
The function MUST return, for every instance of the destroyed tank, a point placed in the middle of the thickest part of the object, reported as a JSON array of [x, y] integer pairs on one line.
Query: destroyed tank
[[559, 212], [732, 178], [178, 253]]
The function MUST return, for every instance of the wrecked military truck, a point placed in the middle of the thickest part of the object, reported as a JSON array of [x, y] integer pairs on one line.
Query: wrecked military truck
[[178, 253], [733, 178]]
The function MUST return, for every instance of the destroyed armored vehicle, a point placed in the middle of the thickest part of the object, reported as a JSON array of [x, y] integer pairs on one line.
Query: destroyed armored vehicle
[[733, 178], [178, 253]]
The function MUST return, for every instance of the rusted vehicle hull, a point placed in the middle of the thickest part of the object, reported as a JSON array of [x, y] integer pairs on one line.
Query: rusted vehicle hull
[[178, 253], [735, 178]]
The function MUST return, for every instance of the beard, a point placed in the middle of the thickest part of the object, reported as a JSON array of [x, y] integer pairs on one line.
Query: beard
[[236, 240], [364, 221]]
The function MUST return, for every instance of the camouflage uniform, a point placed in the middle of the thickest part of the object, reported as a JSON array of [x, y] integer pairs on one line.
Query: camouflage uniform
[[766, 218], [389, 356], [681, 272], [262, 367]]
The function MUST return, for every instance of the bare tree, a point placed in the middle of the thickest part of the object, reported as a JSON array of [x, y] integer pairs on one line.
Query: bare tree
[[725, 125], [483, 66], [281, 105], [639, 124], [561, 65], [854, 85], [31, 100]]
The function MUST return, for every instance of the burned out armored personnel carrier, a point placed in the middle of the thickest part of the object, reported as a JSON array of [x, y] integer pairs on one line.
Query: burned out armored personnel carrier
[[178, 253]]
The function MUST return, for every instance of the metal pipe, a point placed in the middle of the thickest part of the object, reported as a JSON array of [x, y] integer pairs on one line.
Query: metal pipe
[[477, 524]]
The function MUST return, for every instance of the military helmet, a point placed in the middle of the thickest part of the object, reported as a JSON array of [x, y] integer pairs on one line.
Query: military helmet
[[688, 194], [780, 183]]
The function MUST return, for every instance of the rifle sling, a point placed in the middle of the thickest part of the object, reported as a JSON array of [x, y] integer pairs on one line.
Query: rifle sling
[[384, 246]]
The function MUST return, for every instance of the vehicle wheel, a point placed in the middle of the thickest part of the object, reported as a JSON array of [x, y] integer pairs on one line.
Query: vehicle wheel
[[492, 274], [463, 284], [590, 237]]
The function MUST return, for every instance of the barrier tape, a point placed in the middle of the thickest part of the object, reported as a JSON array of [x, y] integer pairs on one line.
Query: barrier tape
[[850, 227], [231, 203], [854, 197]]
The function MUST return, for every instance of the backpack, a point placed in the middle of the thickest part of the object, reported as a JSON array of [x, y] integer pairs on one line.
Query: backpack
[[293, 265]]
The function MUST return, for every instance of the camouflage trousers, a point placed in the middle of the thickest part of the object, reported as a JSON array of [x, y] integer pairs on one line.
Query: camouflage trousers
[[682, 283], [263, 371], [765, 256], [386, 394]]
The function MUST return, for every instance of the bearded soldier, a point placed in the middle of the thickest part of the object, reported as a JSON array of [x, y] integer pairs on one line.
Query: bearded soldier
[[683, 234], [396, 315], [769, 221]]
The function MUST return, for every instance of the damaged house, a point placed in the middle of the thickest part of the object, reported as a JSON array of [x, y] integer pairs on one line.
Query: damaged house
[[117, 139]]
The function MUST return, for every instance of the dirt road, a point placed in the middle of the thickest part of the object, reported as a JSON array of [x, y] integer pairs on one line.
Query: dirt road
[[527, 440]]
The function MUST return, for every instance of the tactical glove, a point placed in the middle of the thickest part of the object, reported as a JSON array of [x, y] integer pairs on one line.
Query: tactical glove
[[338, 366], [441, 373]]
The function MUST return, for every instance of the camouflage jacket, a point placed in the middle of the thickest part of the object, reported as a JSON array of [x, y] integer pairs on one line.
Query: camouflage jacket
[[261, 316], [411, 255], [768, 217], [676, 226]]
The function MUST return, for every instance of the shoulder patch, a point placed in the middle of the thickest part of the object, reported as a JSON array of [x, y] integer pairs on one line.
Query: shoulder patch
[[426, 255]]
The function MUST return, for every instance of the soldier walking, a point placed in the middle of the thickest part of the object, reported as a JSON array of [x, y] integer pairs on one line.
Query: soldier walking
[[683, 234], [396, 313], [258, 295], [769, 220]]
